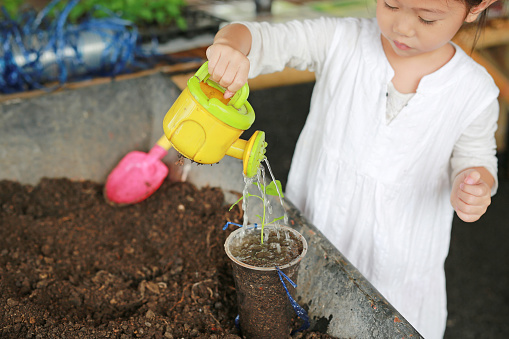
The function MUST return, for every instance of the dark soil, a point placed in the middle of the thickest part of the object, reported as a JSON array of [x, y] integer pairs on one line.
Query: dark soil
[[73, 266]]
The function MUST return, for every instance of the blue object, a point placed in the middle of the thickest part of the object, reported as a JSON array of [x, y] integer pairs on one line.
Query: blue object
[[239, 225], [36, 50], [301, 313]]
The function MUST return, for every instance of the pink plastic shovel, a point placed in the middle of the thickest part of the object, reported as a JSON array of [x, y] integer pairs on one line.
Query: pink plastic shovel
[[138, 175]]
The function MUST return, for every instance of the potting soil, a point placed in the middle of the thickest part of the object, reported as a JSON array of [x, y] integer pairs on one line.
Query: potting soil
[[72, 266], [279, 247]]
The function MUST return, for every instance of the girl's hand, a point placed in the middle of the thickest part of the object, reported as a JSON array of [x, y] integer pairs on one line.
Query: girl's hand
[[470, 195], [228, 67]]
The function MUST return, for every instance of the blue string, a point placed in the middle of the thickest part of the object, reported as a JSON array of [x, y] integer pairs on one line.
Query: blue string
[[32, 36], [301, 313], [237, 322], [239, 225]]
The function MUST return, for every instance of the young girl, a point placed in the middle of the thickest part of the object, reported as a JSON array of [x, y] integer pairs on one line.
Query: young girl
[[399, 135]]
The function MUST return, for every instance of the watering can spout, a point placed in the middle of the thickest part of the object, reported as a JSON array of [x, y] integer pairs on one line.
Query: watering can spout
[[204, 127], [251, 152]]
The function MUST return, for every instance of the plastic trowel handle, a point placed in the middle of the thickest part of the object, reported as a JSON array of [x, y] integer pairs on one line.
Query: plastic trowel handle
[[164, 143]]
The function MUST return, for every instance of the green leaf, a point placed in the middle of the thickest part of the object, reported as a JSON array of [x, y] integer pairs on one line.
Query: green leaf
[[130, 3], [13, 8], [146, 14], [182, 23], [235, 203], [271, 188], [161, 18], [173, 11], [277, 219]]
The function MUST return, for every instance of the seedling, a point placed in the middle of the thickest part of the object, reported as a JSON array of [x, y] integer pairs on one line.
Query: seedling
[[274, 188]]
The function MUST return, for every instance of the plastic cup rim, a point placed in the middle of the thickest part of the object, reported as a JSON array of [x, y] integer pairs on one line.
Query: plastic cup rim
[[257, 268]]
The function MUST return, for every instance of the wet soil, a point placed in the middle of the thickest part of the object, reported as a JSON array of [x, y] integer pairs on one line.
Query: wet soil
[[73, 266], [279, 247]]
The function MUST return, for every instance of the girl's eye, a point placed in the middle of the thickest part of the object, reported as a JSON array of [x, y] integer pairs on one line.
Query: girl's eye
[[390, 7], [427, 22]]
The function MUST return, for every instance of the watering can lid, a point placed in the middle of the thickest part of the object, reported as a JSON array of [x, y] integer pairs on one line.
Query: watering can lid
[[238, 113]]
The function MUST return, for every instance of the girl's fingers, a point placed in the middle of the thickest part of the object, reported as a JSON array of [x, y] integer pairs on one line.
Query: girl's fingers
[[236, 83], [227, 79], [213, 58], [219, 71], [473, 211], [228, 94], [473, 178], [467, 217], [472, 199], [230, 72], [478, 190]]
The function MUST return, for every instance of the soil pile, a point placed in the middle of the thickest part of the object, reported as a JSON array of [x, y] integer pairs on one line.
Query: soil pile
[[72, 266]]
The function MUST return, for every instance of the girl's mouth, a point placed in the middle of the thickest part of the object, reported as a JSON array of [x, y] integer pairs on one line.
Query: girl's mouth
[[401, 46]]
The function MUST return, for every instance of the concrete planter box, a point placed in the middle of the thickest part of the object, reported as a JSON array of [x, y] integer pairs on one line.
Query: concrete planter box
[[84, 132]]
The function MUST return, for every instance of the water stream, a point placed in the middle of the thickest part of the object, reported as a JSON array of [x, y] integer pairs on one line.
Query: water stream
[[259, 181], [285, 220], [272, 245]]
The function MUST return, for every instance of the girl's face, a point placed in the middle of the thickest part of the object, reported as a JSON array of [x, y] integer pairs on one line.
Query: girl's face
[[415, 27]]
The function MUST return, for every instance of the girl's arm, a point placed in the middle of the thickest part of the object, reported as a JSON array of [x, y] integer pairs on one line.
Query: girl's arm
[[273, 46], [474, 165], [471, 193], [228, 62]]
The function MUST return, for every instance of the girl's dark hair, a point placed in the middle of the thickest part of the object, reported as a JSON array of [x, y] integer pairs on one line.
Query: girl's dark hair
[[481, 20]]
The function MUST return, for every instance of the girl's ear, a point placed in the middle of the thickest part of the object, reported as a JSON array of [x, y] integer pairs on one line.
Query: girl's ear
[[475, 11]]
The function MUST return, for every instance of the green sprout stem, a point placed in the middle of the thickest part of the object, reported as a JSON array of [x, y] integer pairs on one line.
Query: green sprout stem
[[272, 189]]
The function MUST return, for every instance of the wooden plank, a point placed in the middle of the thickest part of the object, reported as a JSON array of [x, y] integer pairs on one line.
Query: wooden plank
[[501, 79], [503, 123], [287, 77], [496, 33], [55, 87], [502, 82], [181, 80]]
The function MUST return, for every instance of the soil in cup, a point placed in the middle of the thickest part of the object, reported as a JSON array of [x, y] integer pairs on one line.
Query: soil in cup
[[279, 247]]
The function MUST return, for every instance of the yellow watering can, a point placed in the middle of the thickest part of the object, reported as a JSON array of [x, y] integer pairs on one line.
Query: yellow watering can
[[204, 127]]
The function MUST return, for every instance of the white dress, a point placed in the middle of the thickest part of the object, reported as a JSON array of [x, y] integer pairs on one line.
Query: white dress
[[377, 189]]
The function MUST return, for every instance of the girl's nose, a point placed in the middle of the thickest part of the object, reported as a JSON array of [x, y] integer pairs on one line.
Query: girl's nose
[[403, 26]]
